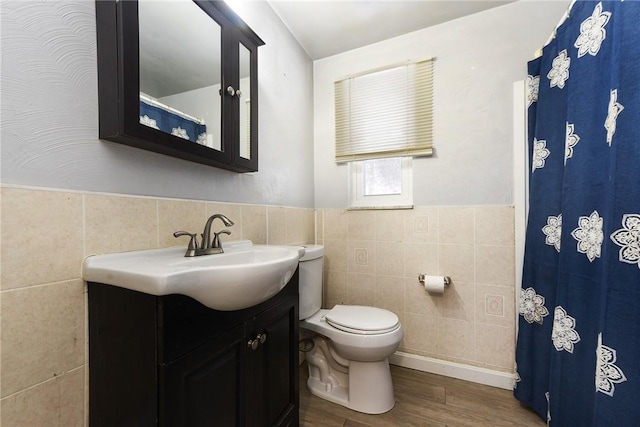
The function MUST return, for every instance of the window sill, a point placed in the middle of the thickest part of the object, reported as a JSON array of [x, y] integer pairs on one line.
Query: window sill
[[379, 208]]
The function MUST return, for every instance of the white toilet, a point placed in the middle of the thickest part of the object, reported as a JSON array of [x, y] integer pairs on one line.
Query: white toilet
[[348, 361]]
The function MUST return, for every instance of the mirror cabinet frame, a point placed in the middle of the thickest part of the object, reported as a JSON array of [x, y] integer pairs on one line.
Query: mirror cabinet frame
[[119, 86]]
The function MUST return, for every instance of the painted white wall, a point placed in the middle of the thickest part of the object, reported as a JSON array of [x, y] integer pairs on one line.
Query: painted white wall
[[50, 115], [478, 59]]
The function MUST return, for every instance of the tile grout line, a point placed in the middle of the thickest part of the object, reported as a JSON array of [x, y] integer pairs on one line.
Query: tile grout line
[[266, 224], [475, 309], [157, 223], [48, 380], [84, 227], [85, 385]]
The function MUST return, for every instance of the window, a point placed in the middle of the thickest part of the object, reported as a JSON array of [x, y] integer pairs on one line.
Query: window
[[381, 183], [383, 119]]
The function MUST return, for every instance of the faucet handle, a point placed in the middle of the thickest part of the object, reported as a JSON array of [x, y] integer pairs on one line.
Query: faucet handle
[[216, 238], [193, 242]]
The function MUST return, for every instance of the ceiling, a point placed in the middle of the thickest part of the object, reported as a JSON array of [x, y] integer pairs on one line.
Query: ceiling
[[328, 27], [323, 28]]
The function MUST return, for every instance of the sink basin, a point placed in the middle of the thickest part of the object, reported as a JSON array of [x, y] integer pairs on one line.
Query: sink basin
[[243, 276]]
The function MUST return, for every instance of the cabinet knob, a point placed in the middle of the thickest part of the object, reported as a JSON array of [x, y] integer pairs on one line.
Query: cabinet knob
[[262, 338], [231, 91], [255, 343]]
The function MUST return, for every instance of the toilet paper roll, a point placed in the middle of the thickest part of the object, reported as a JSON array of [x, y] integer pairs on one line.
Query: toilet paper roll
[[435, 284]]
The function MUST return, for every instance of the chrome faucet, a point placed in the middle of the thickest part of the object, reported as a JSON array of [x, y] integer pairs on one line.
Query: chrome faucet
[[209, 246]]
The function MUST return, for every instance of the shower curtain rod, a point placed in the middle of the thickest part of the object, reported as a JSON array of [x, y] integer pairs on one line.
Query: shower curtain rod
[[566, 15], [149, 100]]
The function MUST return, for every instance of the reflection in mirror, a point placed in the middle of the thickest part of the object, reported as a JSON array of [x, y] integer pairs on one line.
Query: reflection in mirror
[[180, 70], [245, 102]]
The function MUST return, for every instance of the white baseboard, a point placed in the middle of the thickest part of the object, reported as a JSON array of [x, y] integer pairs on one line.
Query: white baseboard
[[454, 370]]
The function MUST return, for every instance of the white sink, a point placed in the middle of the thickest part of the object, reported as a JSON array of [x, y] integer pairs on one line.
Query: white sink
[[243, 276]]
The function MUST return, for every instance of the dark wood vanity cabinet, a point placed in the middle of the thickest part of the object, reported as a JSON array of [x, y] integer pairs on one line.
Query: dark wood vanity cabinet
[[170, 361]]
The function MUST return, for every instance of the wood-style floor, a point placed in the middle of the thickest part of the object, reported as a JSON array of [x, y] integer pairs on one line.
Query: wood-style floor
[[423, 399]]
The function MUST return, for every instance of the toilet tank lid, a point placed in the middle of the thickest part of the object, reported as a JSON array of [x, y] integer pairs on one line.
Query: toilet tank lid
[[312, 252]]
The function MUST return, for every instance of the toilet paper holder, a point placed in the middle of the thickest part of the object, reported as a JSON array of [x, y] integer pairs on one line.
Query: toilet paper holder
[[447, 279]]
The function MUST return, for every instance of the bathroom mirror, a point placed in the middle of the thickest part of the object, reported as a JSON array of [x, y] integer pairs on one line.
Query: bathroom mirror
[[179, 78], [245, 101], [180, 71]]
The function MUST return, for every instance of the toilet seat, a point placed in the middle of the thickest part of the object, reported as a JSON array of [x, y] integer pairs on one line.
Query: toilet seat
[[362, 320]]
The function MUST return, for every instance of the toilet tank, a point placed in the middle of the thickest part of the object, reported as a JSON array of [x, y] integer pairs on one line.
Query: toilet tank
[[310, 288]]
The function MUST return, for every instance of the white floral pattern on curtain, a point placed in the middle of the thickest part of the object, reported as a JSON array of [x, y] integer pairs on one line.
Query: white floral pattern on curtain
[[564, 334], [589, 235], [156, 117], [592, 32], [540, 153], [180, 133], [553, 231], [607, 373], [628, 237], [571, 141], [615, 108], [533, 85], [583, 102], [559, 74], [532, 306]]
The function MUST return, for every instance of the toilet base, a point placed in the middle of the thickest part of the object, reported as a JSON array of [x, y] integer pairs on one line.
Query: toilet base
[[367, 387]]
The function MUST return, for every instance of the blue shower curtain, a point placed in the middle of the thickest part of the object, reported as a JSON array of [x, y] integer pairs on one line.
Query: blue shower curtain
[[578, 353], [175, 124]]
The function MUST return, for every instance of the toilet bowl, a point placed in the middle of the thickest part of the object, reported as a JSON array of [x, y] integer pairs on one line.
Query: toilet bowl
[[348, 362]]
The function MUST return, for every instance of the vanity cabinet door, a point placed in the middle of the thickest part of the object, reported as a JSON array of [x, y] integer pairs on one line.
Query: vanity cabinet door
[[170, 361], [227, 383], [273, 368], [206, 386]]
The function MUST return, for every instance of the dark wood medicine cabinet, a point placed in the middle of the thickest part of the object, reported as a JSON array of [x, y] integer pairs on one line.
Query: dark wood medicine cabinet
[[192, 62]]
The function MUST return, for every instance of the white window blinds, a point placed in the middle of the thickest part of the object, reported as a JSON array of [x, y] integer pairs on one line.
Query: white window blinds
[[385, 113]]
